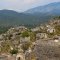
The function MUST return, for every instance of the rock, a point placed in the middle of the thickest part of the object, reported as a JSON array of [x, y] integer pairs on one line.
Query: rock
[[47, 50]]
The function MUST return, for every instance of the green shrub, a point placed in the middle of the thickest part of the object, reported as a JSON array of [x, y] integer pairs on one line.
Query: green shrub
[[14, 51], [32, 36], [57, 28], [25, 34], [5, 47]]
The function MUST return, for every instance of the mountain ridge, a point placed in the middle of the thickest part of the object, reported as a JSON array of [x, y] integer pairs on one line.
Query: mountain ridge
[[45, 8], [45, 13]]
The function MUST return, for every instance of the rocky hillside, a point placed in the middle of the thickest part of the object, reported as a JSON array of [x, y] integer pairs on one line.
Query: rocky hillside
[[39, 43]]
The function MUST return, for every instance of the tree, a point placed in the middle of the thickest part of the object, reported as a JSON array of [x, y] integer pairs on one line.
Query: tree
[[25, 34]]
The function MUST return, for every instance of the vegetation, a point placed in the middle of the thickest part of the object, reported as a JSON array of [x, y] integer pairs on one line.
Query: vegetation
[[5, 47], [32, 36], [50, 35], [26, 45], [14, 51], [57, 28], [33, 57], [56, 17], [25, 34], [3, 29]]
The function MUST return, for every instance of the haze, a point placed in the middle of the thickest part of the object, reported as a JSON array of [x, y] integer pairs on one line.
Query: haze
[[23, 5]]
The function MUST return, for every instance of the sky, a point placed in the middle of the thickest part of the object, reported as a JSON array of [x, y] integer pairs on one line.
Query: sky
[[23, 5]]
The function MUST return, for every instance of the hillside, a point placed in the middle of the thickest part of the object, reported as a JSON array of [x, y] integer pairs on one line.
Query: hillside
[[30, 17], [52, 8], [12, 18], [39, 43]]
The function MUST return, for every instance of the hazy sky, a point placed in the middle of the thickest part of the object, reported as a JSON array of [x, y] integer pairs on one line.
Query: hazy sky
[[22, 5]]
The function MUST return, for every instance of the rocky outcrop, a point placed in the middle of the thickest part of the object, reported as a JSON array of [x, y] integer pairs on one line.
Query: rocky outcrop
[[47, 50]]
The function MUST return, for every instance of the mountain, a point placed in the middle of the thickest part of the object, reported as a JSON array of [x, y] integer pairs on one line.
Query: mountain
[[33, 16], [13, 18], [49, 9], [9, 17]]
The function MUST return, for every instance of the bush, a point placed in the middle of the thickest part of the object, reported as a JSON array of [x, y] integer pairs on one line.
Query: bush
[[26, 45], [32, 36], [57, 28], [25, 34], [5, 46], [14, 51]]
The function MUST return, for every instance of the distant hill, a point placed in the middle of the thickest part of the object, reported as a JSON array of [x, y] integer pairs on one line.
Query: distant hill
[[12, 18], [9, 17], [49, 9], [33, 16]]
